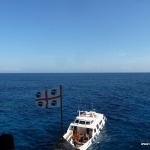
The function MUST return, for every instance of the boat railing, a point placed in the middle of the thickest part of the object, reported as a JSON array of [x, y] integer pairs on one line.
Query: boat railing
[[87, 114]]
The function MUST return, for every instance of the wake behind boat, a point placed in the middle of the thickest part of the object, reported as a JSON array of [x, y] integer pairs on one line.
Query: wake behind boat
[[84, 130]]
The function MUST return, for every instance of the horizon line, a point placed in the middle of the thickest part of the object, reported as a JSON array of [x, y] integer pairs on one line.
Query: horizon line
[[66, 72]]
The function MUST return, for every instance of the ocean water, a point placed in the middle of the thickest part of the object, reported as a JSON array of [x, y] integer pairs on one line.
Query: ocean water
[[124, 98]]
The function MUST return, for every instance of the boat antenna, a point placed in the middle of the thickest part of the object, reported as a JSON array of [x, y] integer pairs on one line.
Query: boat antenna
[[78, 105], [85, 106], [92, 104]]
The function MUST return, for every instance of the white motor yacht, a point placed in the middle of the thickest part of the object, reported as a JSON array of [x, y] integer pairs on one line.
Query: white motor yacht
[[85, 129]]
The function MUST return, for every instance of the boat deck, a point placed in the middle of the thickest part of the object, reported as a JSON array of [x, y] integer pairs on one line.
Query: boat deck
[[88, 114], [63, 145]]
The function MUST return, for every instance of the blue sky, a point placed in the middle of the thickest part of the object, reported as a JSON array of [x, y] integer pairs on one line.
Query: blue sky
[[74, 36]]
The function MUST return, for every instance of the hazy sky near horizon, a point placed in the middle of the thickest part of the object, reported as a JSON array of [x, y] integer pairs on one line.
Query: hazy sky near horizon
[[74, 36]]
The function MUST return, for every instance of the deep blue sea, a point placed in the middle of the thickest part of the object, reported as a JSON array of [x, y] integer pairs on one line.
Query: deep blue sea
[[124, 98]]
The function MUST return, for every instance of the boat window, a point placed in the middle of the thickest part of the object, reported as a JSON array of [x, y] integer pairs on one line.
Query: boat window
[[87, 123], [97, 126], [94, 130], [71, 127], [100, 122], [91, 121], [77, 121], [82, 122]]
